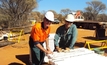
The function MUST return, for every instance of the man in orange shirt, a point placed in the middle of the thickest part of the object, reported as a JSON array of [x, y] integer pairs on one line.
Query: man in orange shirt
[[39, 35]]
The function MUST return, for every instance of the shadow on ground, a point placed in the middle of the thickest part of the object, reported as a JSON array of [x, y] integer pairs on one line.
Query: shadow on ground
[[5, 43], [95, 38], [15, 63], [24, 58], [81, 44]]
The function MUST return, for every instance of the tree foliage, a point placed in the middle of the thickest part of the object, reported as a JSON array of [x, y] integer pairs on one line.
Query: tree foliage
[[17, 10], [64, 12], [94, 8], [102, 17]]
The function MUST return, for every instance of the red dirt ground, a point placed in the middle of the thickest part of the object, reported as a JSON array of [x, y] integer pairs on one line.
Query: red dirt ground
[[18, 53]]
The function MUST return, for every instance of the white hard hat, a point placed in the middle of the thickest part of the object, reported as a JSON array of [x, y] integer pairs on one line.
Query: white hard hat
[[70, 18], [50, 16]]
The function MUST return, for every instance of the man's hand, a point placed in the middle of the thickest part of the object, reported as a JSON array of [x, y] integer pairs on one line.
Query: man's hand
[[48, 50], [58, 49], [67, 48]]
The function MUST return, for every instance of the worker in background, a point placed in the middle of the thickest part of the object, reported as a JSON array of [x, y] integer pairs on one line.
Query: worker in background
[[66, 34], [39, 35]]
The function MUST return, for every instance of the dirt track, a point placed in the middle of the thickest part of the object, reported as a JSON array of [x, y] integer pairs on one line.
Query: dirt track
[[18, 53]]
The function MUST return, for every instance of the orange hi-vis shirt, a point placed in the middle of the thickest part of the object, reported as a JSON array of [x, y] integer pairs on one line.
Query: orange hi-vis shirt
[[38, 33]]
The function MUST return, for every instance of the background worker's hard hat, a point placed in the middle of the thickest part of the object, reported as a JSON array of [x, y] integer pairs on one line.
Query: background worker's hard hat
[[70, 18], [49, 15]]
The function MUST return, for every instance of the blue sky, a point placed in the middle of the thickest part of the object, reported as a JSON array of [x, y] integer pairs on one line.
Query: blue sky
[[57, 5]]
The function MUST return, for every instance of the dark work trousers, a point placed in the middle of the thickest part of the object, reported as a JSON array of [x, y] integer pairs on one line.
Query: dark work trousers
[[37, 55]]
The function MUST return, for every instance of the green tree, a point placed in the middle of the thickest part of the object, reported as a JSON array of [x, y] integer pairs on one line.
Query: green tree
[[64, 12], [94, 8], [17, 10]]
